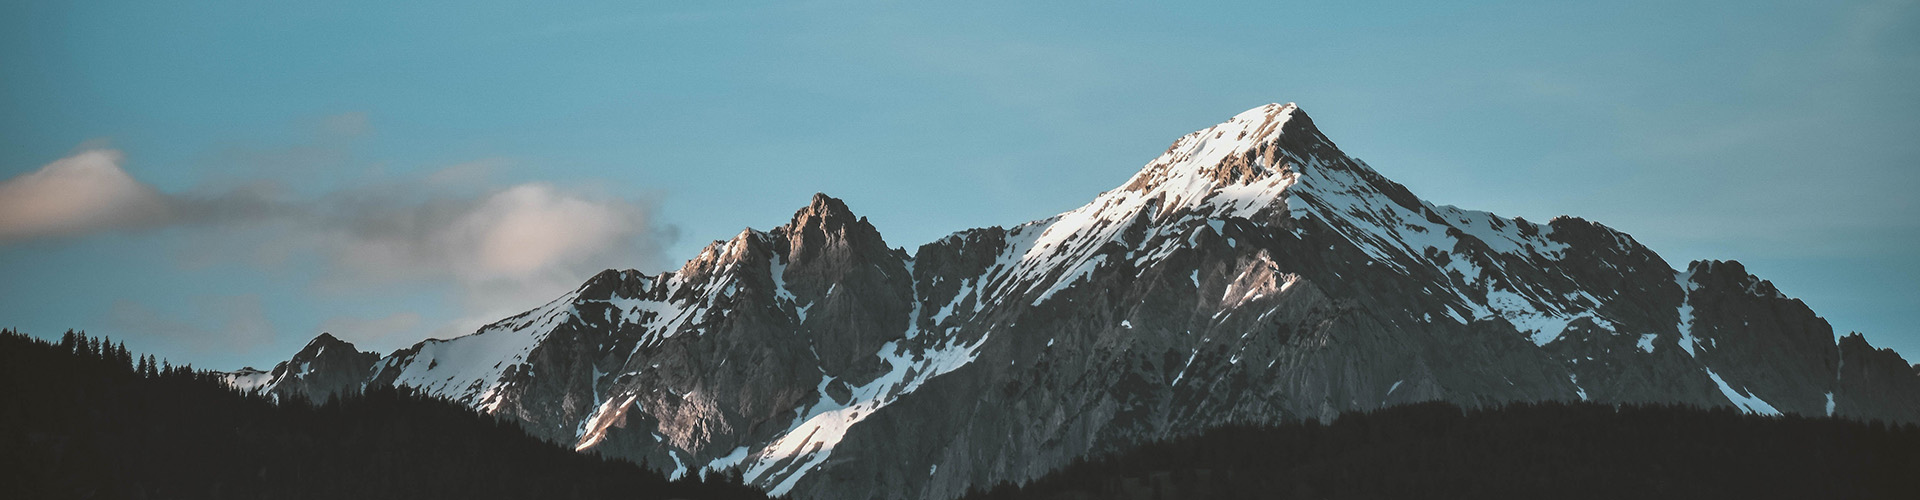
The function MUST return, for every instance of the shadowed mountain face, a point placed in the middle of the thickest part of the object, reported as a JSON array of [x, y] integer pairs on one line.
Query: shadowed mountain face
[[1548, 449], [1252, 273], [326, 367]]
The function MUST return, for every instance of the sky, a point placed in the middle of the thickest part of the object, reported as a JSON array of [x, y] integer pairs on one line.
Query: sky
[[218, 182]]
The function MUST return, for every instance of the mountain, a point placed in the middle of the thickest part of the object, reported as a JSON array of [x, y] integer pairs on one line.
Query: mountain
[[1252, 273], [326, 367], [83, 419]]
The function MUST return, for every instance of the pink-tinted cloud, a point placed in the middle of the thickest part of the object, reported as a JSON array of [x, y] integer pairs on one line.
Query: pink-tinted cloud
[[79, 194], [498, 249]]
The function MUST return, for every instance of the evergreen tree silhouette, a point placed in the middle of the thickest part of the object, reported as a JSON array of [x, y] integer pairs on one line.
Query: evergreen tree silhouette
[[76, 424]]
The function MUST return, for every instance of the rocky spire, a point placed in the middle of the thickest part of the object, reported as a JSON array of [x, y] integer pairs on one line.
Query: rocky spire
[[859, 291], [825, 243]]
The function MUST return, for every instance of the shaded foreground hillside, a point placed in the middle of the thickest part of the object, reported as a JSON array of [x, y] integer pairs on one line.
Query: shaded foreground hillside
[[94, 421], [1523, 450]]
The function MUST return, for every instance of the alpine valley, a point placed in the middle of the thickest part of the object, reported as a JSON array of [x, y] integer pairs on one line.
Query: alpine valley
[[1253, 273]]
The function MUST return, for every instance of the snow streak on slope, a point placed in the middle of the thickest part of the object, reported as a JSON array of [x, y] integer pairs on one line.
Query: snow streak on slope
[[812, 436], [247, 379], [594, 428], [1742, 398], [1687, 342], [469, 369]]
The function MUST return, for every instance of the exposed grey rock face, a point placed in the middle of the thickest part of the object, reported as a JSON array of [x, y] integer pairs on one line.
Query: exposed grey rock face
[[1868, 375], [327, 366], [1253, 272]]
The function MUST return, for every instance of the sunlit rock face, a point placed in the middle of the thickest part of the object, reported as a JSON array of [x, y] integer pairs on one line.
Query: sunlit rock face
[[1251, 273]]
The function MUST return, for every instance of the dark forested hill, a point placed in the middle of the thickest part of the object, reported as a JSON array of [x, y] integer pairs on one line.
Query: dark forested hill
[[1525, 450], [87, 419]]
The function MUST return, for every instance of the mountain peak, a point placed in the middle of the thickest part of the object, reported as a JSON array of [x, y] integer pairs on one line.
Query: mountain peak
[[611, 283], [1250, 128], [1267, 112], [326, 366], [823, 208], [325, 339], [321, 343], [824, 223], [826, 215], [1244, 149]]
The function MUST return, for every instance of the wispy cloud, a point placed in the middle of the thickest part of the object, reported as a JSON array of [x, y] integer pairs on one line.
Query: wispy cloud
[[498, 247], [504, 249], [374, 333], [79, 194], [90, 192], [519, 231], [231, 324]]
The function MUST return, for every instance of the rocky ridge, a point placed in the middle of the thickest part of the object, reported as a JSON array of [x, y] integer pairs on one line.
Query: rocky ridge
[[1253, 272]]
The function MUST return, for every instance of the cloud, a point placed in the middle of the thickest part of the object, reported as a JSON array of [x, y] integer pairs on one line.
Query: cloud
[[517, 232], [240, 324], [90, 192], [504, 250], [444, 224], [79, 194], [345, 125], [378, 334], [497, 248]]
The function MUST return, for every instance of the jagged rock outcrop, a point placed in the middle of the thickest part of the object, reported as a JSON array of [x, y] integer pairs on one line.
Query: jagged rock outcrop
[[1868, 376], [1253, 272], [326, 367]]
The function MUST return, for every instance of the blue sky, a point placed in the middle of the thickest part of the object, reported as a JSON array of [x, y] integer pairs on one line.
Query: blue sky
[[294, 168]]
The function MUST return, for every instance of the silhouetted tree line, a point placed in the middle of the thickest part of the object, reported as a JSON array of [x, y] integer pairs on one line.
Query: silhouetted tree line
[[1529, 450], [85, 418]]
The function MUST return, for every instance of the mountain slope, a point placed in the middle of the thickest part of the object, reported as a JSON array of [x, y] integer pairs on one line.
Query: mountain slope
[[79, 424], [1252, 273], [1524, 450]]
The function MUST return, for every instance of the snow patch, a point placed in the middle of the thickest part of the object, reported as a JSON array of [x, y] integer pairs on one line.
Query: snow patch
[[1742, 398], [811, 438], [470, 369], [679, 467], [1685, 280], [247, 380], [1183, 368], [727, 462]]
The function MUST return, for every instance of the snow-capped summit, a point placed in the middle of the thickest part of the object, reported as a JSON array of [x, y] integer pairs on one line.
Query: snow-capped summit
[[1253, 272], [1240, 150]]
